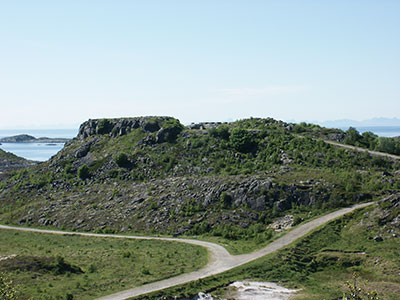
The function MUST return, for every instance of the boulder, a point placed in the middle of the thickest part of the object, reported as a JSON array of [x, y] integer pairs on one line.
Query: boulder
[[82, 151], [162, 135]]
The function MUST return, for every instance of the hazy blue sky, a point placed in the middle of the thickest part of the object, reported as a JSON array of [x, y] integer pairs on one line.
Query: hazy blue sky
[[63, 62]]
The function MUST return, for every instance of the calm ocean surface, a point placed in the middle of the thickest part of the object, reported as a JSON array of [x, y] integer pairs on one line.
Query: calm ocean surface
[[387, 131], [36, 151], [42, 152]]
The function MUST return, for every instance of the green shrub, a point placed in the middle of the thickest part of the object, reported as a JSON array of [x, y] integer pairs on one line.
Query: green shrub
[[352, 136], [68, 169], [387, 145], [104, 126], [145, 271], [69, 297], [221, 131], [226, 200], [173, 128], [122, 160], [242, 140], [83, 172], [92, 268], [297, 220]]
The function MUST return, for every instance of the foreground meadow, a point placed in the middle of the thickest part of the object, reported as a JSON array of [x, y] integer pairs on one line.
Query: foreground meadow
[[45, 266]]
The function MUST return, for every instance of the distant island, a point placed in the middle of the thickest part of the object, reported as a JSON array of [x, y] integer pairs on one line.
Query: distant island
[[25, 138]]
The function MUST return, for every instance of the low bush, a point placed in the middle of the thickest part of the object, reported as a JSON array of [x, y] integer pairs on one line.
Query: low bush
[[122, 160], [83, 172], [104, 126]]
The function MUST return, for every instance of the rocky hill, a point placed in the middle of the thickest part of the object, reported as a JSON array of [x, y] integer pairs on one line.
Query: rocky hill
[[152, 174], [9, 161]]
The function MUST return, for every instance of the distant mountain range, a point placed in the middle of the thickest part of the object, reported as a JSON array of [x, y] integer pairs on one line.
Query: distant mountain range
[[364, 123]]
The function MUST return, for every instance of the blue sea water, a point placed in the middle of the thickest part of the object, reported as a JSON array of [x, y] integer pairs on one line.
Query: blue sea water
[[33, 151], [37, 133], [386, 131], [36, 151]]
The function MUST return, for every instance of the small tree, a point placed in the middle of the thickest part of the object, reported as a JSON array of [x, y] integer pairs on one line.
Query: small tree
[[352, 136], [386, 144], [83, 172], [369, 139]]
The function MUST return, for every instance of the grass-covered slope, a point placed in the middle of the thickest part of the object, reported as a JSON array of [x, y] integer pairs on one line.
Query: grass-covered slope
[[10, 161], [364, 243], [152, 174], [46, 266]]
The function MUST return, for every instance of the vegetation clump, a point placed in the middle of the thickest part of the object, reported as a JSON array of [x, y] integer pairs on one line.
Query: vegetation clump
[[122, 160], [221, 131], [104, 126], [172, 128], [41, 264], [83, 172], [242, 140]]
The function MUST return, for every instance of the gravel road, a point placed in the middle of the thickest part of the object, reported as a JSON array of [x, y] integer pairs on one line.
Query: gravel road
[[377, 153], [219, 258]]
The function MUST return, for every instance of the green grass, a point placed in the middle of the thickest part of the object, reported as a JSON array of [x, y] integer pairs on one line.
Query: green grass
[[107, 265], [9, 156], [234, 247], [242, 246], [237, 247], [320, 263]]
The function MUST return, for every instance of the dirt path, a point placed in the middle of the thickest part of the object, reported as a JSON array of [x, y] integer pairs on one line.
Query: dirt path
[[219, 258], [362, 150]]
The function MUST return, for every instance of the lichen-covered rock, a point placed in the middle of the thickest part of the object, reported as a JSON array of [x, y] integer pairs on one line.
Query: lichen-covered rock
[[120, 127]]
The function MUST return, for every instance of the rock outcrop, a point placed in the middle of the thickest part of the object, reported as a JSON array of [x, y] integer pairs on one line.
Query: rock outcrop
[[166, 204], [120, 127]]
